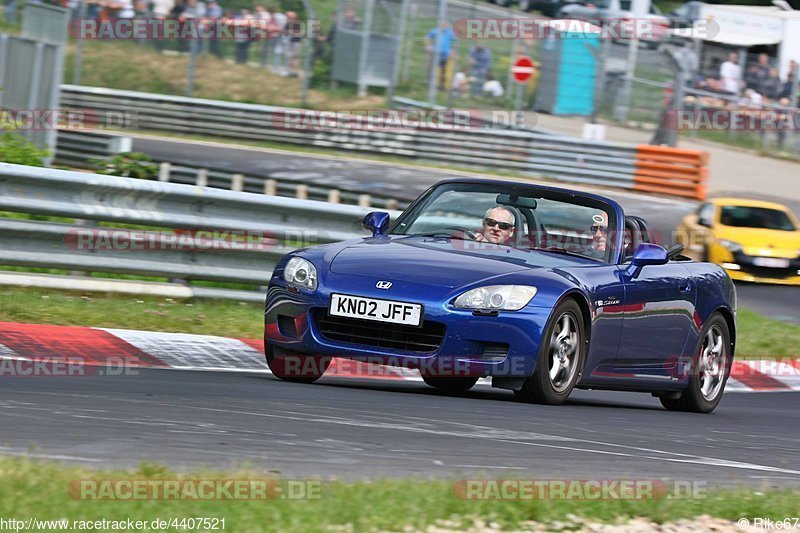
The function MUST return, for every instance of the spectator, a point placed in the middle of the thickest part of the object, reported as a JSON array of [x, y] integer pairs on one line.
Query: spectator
[[446, 37], [214, 14], [242, 38], [349, 22], [752, 99], [142, 8], [294, 32], [122, 9], [177, 9], [11, 11], [751, 77], [786, 89], [771, 88], [784, 108], [492, 88], [761, 73], [730, 74], [161, 8], [480, 59], [264, 20], [460, 84], [278, 43]]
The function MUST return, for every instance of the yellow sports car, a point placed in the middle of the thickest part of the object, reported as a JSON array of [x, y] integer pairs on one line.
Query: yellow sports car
[[753, 240]]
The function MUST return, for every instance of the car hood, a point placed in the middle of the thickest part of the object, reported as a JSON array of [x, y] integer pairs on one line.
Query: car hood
[[439, 261], [764, 242]]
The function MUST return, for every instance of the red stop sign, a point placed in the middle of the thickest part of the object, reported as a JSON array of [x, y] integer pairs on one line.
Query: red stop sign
[[523, 69]]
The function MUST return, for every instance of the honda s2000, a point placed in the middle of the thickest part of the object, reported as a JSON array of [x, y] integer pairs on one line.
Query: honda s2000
[[541, 289]]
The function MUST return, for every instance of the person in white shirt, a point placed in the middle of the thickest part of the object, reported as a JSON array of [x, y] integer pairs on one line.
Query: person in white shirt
[[730, 74], [279, 43], [493, 88], [460, 84], [752, 99], [162, 8]]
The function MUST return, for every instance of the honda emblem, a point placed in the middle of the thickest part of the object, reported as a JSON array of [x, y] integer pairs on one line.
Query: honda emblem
[[383, 284]]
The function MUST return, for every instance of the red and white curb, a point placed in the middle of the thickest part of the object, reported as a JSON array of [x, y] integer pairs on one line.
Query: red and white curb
[[182, 351]]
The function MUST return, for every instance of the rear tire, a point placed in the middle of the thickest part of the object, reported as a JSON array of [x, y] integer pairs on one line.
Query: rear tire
[[450, 384], [561, 354], [711, 367], [295, 367]]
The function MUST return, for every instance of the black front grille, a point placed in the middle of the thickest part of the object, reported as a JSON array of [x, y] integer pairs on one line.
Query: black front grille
[[425, 339], [766, 272], [747, 266]]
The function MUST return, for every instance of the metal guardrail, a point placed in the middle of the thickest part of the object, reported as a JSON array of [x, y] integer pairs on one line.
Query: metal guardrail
[[526, 152], [157, 214], [76, 148]]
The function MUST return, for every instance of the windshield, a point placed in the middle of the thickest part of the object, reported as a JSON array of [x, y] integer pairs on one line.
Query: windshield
[[755, 217], [533, 219]]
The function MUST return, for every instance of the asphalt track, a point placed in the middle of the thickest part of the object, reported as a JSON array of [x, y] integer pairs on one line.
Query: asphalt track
[[355, 429], [407, 182]]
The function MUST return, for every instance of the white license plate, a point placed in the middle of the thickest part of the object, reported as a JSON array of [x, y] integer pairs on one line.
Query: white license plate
[[373, 309], [771, 262]]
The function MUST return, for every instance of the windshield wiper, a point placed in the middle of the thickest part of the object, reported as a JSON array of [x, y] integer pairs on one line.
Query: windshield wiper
[[446, 234], [562, 251]]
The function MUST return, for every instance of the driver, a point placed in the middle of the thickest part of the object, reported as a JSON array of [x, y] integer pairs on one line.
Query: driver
[[599, 230], [498, 226]]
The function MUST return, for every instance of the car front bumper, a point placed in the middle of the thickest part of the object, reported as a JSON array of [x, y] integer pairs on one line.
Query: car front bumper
[[502, 345]]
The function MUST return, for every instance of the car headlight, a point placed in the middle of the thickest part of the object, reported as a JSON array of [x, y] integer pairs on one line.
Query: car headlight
[[733, 247], [496, 297], [300, 273]]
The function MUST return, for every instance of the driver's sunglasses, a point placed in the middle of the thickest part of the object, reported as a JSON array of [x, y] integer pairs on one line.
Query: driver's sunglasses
[[505, 226], [596, 227]]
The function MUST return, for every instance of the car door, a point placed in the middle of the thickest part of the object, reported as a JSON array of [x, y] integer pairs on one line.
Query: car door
[[658, 314]]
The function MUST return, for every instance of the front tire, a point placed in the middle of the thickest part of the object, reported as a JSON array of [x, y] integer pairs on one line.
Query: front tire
[[710, 370], [560, 359], [295, 367]]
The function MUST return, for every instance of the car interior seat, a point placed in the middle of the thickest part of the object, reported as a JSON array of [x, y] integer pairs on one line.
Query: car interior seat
[[635, 234]]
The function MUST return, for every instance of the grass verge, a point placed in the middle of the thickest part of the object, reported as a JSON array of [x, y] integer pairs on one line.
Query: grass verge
[[244, 320], [40, 489]]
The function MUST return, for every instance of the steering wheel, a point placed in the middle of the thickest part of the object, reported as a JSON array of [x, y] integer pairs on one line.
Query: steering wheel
[[467, 232]]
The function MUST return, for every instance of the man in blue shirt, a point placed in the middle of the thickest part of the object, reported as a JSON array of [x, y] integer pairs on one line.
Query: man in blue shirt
[[481, 60], [446, 38]]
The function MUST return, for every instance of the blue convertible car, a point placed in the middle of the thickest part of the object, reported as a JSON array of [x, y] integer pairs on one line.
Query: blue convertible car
[[543, 289]]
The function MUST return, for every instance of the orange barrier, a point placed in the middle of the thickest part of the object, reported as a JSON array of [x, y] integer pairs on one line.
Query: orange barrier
[[672, 171]]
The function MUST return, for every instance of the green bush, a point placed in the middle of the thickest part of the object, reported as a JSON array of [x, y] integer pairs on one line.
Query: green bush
[[130, 165], [16, 149]]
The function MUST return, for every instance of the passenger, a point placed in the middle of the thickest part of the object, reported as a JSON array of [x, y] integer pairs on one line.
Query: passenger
[[498, 226]]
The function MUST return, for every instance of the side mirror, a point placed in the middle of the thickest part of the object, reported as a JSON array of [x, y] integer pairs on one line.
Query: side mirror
[[703, 221], [646, 255], [376, 222]]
